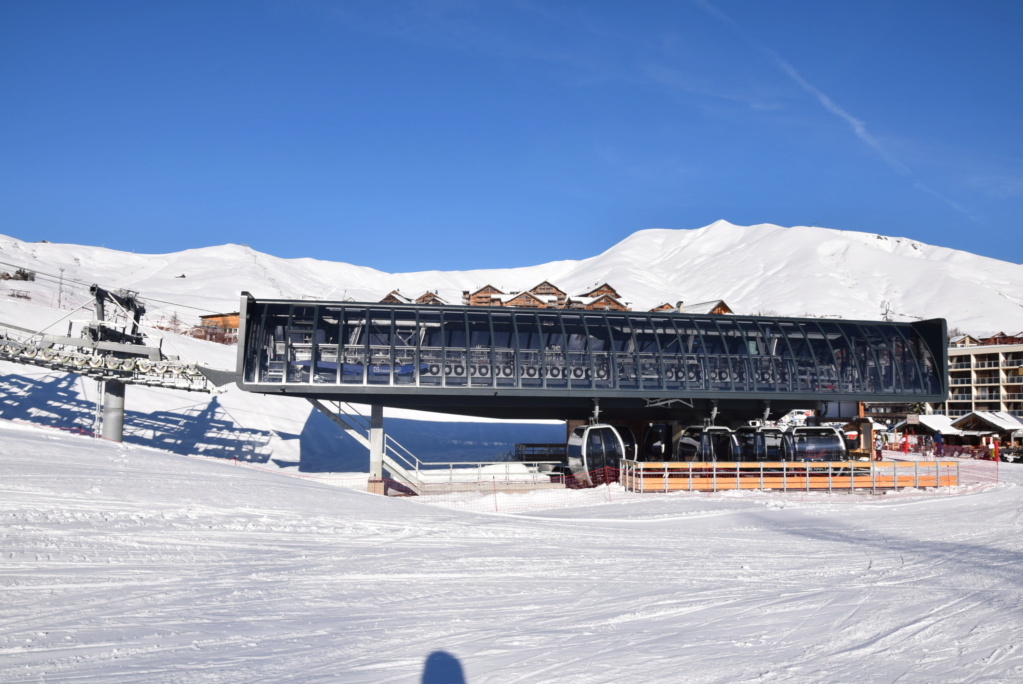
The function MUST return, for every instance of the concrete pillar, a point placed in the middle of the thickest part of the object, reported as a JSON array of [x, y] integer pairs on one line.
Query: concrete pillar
[[113, 410], [376, 442]]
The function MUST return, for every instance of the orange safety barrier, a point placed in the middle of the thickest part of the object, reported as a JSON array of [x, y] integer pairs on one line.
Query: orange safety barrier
[[788, 475]]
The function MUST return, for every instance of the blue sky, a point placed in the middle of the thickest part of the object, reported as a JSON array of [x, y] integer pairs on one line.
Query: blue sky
[[455, 135]]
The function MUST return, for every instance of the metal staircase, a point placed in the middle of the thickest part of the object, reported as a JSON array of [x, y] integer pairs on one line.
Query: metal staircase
[[420, 477], [400, 463]]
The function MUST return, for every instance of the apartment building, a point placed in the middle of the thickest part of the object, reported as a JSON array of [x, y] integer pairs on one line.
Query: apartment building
[[985, 375]]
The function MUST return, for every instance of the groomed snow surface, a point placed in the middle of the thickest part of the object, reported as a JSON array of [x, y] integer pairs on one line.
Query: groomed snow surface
[[122, 563]]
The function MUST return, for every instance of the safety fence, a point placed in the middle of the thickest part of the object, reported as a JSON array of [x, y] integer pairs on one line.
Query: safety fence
[[801, 476], [497, 495]]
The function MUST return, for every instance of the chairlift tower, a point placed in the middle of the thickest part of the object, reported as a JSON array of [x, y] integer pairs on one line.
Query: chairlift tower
[[112, 349]]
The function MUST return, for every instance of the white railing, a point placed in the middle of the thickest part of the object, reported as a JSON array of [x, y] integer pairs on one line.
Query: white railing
[[418, 473]]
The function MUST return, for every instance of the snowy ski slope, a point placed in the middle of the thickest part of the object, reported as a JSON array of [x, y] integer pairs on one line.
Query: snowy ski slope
[[120, 563]]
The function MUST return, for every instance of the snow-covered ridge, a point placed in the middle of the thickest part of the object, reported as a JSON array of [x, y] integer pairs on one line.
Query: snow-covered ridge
[[756, 269]]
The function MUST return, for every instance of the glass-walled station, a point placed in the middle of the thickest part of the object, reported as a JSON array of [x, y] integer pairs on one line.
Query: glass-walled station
[[551, 363]]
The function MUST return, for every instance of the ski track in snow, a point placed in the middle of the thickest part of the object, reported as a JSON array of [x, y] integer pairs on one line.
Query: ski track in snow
[[123, 564]]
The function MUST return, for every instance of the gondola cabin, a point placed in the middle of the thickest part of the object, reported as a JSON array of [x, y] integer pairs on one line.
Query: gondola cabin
[[760, 443], [815, 444], [657, 443], [595, 454], [709, 443]]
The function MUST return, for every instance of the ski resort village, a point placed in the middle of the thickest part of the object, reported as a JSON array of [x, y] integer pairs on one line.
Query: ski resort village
[[219, 465], [511, 342]]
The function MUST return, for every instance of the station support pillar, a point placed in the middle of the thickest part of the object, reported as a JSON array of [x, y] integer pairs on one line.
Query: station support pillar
[[376, 449], [113, 410]]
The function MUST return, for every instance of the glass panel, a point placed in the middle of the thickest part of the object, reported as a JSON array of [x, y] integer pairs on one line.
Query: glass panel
[[298, 337], [782, 363], [530, 346], [577, 359], [325, 350], [906, 370], [879, 371], [826, 372], [554, 361], [673, 363], [272, 356], [891, 378], [353, 340], [759, 362], [612, 451], [847, 370], [594, 450], [623, 352], [480, 343], [648, 355], [504, 350], [380, 340], [455, 351], [405, 369], [799, 369], [431, 349], [930, 380], [598, 341], [718, 366], [696, 377], [861, 365], [737, 346]]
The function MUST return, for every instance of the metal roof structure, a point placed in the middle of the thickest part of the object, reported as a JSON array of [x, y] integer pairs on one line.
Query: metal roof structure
[[559, 364]]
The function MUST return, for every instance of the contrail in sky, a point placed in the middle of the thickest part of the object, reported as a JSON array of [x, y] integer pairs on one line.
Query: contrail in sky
[[858, 127]]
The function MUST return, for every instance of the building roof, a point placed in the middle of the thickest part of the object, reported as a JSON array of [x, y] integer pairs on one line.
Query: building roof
[[995, 421], [544, 299], [396, 297], [548, 283], [935, 422], [430, 297], [704, 307], [486, 287], [603, 286]]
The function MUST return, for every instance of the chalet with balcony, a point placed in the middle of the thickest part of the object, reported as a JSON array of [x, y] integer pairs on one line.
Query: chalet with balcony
[[601, 298], [961, 341], [488, 295], [716, 306], [228, 322], [431, 298], [221, 327], [1002, 338], [524, 300], [554, 297], [395, 297]]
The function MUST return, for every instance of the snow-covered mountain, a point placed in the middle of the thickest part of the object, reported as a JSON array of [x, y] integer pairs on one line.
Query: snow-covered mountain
[[756, 269]]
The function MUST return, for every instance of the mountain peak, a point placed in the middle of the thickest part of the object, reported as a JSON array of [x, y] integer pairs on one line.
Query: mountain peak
[[795, 271]]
